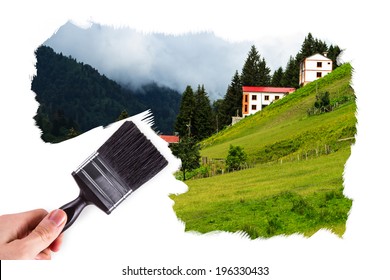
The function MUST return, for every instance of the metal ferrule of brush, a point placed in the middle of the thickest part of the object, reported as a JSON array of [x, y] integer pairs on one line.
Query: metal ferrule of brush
[[102, 182]]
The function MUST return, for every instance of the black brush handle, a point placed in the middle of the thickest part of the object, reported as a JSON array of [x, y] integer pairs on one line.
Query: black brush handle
[[73, 210]]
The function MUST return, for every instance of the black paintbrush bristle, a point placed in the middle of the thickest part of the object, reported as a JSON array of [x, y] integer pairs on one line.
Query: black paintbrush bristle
[[132, 156], [121, 165]]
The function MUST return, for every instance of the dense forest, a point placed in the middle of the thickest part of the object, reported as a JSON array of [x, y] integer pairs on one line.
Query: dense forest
[[74, 97]]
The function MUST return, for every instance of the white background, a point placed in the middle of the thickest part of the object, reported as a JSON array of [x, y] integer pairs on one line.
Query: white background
[[144, 230]]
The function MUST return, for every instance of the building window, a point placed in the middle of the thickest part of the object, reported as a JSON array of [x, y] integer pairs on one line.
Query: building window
[[254, 97], [319, 74], [246, 98], [319, 64], [266, 97], [246, 109], [277, 97], [254, 107]]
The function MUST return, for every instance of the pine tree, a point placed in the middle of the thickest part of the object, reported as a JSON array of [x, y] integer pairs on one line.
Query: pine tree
[[333, 53], [291, 75], [123, 115], [203, 120], [255, 71], [320, 47], [277, 78], [311, 46], [307, 48], [218, 113], [185, 117], [232, 102], [265, 77]]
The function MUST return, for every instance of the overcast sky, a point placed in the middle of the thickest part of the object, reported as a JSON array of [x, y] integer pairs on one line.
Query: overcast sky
[[134, 58]]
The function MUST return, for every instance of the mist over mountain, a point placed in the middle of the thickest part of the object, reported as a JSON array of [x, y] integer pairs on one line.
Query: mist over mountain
[[74, 97], [134, 59]]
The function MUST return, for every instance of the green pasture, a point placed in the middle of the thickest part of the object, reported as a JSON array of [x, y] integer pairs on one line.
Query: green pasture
[[296, 184], [270, 199]]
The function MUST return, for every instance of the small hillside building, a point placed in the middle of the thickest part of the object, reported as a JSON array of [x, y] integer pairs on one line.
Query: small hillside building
[[313, 68], [254, 99]]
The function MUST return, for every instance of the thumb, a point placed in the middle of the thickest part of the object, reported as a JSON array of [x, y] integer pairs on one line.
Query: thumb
[[46, 231]]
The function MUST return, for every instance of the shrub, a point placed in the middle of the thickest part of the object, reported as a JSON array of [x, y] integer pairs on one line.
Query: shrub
[[236, 158], [322, 100]]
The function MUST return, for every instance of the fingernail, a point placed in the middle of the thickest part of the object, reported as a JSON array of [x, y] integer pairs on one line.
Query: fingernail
[[58, 217]]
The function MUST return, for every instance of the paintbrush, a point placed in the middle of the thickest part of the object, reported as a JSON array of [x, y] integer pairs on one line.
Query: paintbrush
[[121, 165]]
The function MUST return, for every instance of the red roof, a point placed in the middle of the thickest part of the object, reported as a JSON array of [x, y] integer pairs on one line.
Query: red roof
[[268, 89], [170, 138]]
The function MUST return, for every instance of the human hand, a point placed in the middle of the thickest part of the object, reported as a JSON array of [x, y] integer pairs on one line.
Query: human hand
[[31, 235]]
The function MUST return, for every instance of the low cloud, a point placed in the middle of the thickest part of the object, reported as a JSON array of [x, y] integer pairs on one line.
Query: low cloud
[[134, 58]]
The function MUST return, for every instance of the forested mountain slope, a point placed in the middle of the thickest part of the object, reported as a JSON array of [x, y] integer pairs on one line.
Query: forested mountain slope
[[74, 97]]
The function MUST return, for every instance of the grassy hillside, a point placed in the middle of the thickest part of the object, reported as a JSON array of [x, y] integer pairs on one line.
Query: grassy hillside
[[296, 183], [287, 120]]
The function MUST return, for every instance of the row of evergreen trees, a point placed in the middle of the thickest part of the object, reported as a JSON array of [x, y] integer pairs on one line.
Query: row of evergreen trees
[[199, 119], [195, 115]]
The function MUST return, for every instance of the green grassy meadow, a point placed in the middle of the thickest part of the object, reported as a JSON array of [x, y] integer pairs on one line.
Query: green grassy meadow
[[296, 184]]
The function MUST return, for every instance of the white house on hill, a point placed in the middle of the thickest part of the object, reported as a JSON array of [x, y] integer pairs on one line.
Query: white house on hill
[[254, 99], [313, 68]]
